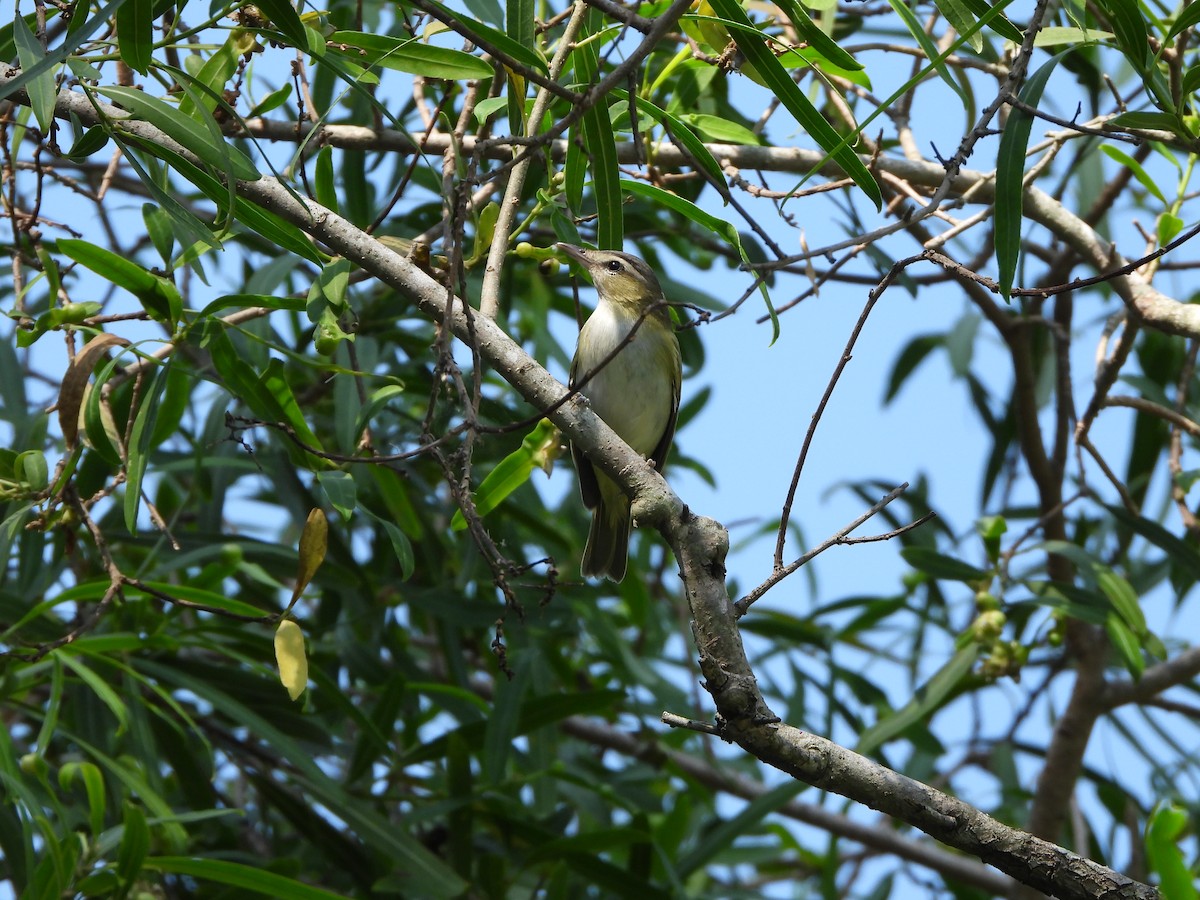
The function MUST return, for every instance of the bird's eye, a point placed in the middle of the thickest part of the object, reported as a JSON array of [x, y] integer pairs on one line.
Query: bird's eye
[[614, 265]]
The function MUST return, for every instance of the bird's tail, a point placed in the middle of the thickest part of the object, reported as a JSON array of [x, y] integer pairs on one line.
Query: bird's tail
[[607, 551]]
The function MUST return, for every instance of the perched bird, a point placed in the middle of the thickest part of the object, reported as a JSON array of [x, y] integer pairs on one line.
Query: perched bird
[[636, 393]]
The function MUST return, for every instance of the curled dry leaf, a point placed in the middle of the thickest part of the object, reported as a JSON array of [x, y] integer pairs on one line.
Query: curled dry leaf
[[75, 381]]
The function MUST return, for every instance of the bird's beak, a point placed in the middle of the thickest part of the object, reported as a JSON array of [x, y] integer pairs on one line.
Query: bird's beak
[[578, 254]]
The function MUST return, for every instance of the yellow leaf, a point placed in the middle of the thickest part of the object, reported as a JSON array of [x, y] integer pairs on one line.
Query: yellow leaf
[[290, 657]]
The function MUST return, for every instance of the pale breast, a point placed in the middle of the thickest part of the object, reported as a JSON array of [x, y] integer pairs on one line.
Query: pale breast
[[633, 393]]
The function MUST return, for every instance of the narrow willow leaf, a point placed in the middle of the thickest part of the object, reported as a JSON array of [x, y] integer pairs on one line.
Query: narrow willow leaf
[[1147, 121], [1126, 644], [816, 38], [601, 152], [998, 22], [140, 447], [1052, 37], [135, 34], [750, 41], [158, 295], [291, 658], [927, 700], [238, 875], [1130, 27], [284, 17], [325, 189], [1136, 168], [519, 22], [409, 55], [491, 38], [339, 487], [1189, 17], [728, 830], [1010, 176], [510, 473], [1167, 826], [961, 20], [185, 130], [216, 72], [93, 785], [917, 31], [717, 226], [42, 90], [135, 843], [938, 565]]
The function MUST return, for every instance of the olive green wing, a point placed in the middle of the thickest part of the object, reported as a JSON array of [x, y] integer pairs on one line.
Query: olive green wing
[[659, 456], [589, 489]]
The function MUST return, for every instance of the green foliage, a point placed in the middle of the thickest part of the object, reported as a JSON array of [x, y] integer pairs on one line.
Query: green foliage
[[220, 433]]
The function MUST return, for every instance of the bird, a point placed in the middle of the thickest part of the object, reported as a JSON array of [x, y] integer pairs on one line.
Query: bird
[[636, 393]]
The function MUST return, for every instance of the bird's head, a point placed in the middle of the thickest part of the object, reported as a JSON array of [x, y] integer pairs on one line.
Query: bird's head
[[619, 277]]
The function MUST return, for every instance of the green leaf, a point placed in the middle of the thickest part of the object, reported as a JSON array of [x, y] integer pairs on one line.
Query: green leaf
[[272, 101], [135, 34], [210, 81], [600, 144], [101, 688], [93, 785], [409, 55], [1010, 176], [750, 41], [1129, 24], [1166, 827], [510, 473], [917, 31], [42, 89], [1053, 37], [520, 22], [203, 139], [1127, 645], [961, 20], [687, 140], [401, 546], [942, 567], [1147, 121], [341, 492], [816, 38], [135, 844], [927, 700], [140, 446], [806, 57], [275, 381], [325, 187], [1189, 17], [717, 839], [91, 141], [1136, 168], [237, 875], [719, 130], [426, 874], [719, 227], [999, 23], [284, 17], [1178, 551], [1123, 597], [491, 38], [913, 354], [158, 295]]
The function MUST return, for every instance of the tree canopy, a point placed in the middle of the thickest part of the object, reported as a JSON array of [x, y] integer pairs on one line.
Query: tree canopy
[[288, 607]]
